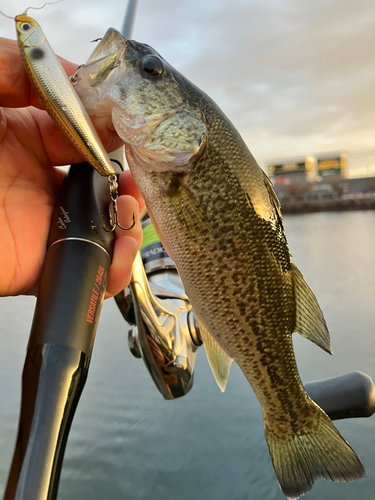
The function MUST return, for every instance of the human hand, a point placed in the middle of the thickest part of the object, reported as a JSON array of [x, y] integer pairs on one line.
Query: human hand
[[31, 145]]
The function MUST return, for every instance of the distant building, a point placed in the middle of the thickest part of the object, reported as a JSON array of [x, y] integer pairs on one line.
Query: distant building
[[308, 175], [309, 168], [292, 170], [321, 182], [361, 163]]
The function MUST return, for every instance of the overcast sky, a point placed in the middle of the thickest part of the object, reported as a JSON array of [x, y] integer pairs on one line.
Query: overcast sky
[[295, 77]]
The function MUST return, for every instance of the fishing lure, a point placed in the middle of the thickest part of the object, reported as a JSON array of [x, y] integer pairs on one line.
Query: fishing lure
[[58, 95]]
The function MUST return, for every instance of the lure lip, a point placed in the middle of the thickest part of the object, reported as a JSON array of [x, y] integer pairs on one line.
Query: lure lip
[[24, 18]]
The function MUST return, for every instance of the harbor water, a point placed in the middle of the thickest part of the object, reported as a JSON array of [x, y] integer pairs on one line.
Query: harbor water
[[128, 443]]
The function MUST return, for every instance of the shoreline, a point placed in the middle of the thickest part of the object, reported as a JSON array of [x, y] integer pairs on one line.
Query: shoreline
[[326, 203]]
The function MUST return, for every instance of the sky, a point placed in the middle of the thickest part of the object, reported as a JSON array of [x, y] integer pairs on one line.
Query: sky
[[295, 77]]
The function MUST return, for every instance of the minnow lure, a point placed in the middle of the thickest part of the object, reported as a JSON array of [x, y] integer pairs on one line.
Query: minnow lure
[[58, 95]]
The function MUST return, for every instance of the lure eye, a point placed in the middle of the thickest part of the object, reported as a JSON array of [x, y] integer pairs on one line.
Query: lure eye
[[152, 66], [25, 26]]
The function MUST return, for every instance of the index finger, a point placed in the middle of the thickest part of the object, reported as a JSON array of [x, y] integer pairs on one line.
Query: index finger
[[15, 88]]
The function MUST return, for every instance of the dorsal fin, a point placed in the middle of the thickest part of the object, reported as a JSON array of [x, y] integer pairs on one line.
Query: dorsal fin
[[218, 360], [310, 322]]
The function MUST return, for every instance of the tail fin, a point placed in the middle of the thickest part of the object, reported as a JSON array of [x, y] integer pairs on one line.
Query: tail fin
[[299, 459]]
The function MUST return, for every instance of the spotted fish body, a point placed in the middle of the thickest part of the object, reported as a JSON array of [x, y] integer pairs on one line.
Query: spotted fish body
[[219, 220]]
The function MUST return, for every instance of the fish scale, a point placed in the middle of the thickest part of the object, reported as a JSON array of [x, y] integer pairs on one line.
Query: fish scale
[[219, 220]]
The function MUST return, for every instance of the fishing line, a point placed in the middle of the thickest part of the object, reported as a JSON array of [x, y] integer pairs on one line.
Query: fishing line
[[9, 17], [42, 7], [35, 8]]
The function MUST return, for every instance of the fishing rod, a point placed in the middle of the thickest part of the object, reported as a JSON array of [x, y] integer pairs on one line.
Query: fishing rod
[[165, 333], [128, 24]]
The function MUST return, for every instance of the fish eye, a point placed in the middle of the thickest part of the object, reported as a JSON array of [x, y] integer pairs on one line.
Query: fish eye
[[25, 26], [152, 66]]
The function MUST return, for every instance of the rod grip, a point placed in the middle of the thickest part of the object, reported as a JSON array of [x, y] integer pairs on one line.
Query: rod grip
[[52, 383], [71, 294], [348, 396]]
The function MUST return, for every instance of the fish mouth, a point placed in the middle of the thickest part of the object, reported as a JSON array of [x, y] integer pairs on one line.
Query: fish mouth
[[111, 42], [106, 56]]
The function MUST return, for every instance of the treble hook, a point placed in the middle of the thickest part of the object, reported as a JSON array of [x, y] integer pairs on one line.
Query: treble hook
[[114, 222], [74, 78]]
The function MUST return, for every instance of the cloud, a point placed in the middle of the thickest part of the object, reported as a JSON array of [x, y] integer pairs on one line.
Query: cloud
[[294, 77], [297, 71]]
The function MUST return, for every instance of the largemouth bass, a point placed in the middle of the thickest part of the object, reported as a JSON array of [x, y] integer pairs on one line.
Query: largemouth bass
[[220, 221], [57, 94]]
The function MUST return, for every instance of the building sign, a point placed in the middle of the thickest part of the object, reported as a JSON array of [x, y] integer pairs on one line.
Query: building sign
[[287, 168], [290, 167], [331, 165]]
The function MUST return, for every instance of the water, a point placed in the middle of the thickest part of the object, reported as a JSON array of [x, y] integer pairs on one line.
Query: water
[[128, 443]]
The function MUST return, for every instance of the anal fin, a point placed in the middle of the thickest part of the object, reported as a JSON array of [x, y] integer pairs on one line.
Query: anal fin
[[218, 360]]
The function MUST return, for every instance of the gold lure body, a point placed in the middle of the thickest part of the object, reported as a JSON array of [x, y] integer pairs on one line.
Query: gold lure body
[[57, 94]]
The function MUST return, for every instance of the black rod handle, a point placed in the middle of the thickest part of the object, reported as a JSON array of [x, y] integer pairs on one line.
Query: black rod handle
[[71, 292], [53, 378], [70, 295], [348, 396]]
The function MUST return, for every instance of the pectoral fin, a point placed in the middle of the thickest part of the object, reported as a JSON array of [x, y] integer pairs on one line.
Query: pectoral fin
[[274, 199], [218, 360], [310, 322]]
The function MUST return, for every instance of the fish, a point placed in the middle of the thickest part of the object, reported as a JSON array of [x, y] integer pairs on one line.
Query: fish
[[57, 94], [219, 219]]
